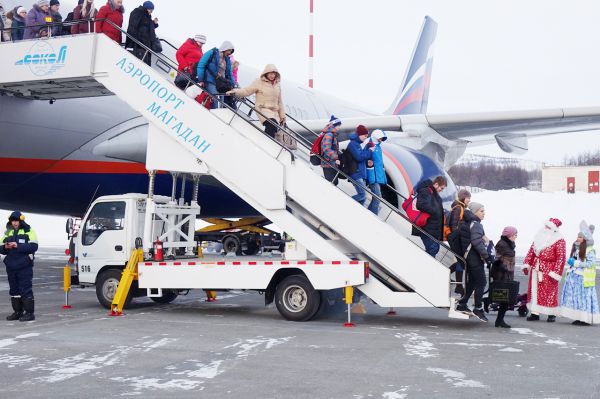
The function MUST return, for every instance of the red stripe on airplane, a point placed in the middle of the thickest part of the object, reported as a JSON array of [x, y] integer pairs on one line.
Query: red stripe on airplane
[[28, 165]]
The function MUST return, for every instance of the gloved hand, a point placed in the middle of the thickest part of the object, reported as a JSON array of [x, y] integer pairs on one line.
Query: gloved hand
[[371, 144], [571, 262]]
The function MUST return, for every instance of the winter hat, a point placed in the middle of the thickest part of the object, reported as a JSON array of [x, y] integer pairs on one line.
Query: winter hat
[[148, 5], [16, 216], [361, 130], [200, 38], [475, 207], [227, 45], [335, 122], [378, 134], [54, 3], [463, 194], [509, 231], [553, 223], [21, 9], [42, 3], [80, 2], [592, 228]]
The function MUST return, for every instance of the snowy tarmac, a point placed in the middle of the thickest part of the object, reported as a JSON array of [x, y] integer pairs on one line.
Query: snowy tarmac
[[237, 348]]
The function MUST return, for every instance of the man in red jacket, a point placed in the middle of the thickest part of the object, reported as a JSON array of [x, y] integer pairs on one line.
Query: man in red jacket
[[112, 11], [190, 52]]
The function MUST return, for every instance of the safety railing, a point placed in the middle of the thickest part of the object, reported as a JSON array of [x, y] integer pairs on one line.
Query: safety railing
[[448, 254]]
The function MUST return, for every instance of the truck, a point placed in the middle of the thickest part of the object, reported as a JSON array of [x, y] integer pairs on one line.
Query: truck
[[116, 226]]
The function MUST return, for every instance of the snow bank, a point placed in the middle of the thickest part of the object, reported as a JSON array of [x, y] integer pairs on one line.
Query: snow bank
[[528, 210]]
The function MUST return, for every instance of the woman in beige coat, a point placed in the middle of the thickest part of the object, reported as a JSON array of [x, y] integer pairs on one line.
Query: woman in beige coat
[[268, 98]]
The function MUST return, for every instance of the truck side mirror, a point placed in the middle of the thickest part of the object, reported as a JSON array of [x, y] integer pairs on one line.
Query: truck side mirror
[[69, 226]]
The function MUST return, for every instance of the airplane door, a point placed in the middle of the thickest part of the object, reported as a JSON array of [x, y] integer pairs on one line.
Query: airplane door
[[103, 239], [593, 181]]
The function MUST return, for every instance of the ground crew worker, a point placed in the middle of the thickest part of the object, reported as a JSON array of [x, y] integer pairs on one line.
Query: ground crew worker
[[19, 243]]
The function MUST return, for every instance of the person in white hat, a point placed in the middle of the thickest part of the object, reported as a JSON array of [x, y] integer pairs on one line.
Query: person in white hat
[[375, 169], [190, 52], [37, 16]]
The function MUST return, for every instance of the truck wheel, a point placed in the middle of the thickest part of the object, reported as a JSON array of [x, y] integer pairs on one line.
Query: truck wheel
[[168, 296], [231, 244], [106, 287], [252, 250], [296, 299]]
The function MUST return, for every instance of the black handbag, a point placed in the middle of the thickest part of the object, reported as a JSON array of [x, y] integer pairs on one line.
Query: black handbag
[[223, 84], [504, 292], [156, 45]]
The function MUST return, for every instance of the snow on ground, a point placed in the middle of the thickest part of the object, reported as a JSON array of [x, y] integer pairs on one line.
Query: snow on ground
[[526, 210]]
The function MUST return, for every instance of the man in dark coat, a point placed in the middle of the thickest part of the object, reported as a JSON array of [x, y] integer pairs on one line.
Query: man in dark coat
[[19, 243], [474, 245], [142, 28], [429, 201]]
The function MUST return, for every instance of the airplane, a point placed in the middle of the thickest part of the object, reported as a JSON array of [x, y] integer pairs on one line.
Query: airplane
[[57, 156]]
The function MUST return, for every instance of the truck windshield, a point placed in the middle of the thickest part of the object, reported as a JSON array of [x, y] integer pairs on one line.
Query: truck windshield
[[105, 216]]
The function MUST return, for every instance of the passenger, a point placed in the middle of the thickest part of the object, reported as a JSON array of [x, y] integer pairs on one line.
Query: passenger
[[430, 202], [35, 18], [19, 243], [112, 11], [67, 24], [234, 69], [579, 299], [456, 215], [214, 70], [544, 264], [474, 246], [85, 10], [269, 102], [142, 28], [361, 154], [6, 24], [56, 18], [330, 150], [18, 24], [190, 53], [376, 170], [503, 268]]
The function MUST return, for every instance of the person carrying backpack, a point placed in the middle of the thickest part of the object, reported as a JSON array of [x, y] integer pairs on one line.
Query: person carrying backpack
[[356, 166], [215, 72], [456, 215], [330, 147], [474, 245], [429, 202]]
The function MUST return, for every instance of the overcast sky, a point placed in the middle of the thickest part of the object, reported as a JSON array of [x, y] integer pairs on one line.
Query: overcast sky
[[490, 55]]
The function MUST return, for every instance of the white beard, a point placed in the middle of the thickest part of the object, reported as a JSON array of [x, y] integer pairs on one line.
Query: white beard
[[544, 239]]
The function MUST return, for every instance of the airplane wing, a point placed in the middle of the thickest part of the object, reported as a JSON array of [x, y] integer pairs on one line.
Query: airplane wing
[[510, 129]]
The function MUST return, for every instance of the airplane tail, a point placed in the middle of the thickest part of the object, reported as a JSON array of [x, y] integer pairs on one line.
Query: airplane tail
[[414, 91]]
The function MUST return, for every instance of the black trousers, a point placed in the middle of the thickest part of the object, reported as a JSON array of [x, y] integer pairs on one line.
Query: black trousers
[[271, 127], [331, 175], [501, 312], [140, 52], [476, 282], [20, 282]]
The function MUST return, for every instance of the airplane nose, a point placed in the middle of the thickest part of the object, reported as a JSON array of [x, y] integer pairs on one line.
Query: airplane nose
[[128, 146]]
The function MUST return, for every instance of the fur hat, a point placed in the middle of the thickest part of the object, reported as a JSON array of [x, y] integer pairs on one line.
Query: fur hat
[[41, 3], [361, 130], [16, 216], [475, 207], [509, 231], [553, 223]]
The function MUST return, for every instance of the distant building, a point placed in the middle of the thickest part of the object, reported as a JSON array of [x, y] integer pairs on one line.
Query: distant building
[[571, 178]]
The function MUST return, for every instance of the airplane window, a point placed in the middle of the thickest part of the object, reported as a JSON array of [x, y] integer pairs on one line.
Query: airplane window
[[104, 217]]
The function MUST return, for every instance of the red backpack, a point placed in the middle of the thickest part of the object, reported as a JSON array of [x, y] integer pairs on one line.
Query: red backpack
[[414, 215], [315, 150]]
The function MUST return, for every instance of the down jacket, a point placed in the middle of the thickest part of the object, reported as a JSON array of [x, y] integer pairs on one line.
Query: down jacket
[[472, 233], [110, 12], [268, 95], [429, 201], [188, 54], [35, 16]]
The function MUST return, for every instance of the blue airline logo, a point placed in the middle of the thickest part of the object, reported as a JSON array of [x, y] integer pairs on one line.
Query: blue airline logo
[[42, 60]]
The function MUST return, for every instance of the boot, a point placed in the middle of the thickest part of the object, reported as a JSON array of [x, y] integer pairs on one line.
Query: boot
[[28, 305], [17, 305], [459, 289], [500, 319], [533, 317]]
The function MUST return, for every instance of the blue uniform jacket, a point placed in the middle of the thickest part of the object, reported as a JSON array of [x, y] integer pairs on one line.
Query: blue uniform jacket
[[208, 67], [361, 155], [22, 256]]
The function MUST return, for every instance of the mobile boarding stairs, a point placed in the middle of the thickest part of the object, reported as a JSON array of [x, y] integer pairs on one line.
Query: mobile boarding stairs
[[227, 144]]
